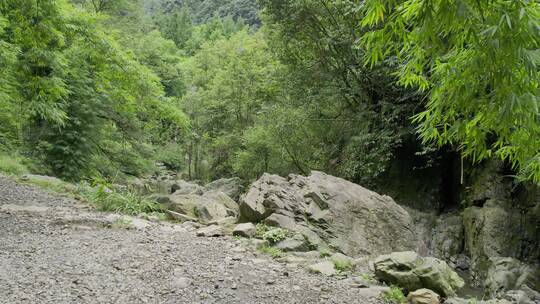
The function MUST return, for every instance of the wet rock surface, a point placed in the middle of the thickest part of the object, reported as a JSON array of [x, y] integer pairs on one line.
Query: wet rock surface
[[56, 250]]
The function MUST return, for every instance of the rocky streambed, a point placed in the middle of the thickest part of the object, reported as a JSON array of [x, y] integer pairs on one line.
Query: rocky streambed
[[329, 215], [57, 250], [295, 239]]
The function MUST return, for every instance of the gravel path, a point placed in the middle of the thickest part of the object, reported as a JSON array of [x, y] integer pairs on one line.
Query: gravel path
[[56, 250]]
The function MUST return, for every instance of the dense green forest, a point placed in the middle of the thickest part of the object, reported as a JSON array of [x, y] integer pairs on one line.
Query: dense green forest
[[109, 88]]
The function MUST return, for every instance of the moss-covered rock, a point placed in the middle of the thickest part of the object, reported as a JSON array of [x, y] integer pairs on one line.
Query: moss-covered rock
[[412, 272]]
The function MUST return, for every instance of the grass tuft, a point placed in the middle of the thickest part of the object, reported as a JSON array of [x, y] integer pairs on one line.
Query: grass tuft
[[394, 296], [324, 253], [271, 251], [12, 165], [128, 202], [342, 266]]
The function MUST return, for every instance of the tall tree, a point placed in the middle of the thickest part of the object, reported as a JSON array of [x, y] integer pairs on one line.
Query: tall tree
[[177, 26], [477, 61], [75, 93]]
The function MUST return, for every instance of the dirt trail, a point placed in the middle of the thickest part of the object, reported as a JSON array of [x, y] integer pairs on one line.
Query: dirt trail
[[56, 250]]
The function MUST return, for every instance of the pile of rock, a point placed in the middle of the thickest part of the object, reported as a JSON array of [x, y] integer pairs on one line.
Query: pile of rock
[[213, 203], [323, 213]]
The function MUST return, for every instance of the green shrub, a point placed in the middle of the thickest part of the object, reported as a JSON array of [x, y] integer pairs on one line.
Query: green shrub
[[394, 296], [172, 156], [324, 253], [102, 196], [275, 235], [12, 165], [341, 265], [52, 184], [271, 234], [127, 202], [271, 251], [261, 230]]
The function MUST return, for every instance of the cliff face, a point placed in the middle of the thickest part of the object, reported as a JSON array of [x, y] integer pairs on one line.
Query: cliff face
[[500, 219], [495, 218]]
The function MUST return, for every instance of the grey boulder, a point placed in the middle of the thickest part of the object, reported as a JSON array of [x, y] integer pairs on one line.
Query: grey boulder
[[232, 187], [332, 211], [296, 243], [410, 271], [179, 187], [245, 230], [208, 207], [210, 231], [423, 296]]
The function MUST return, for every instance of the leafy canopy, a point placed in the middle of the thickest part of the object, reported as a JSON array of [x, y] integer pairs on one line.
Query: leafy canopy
[[478, 63]]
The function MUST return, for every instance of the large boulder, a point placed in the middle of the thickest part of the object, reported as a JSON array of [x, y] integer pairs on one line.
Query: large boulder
[[330, 210], [245, 230], [185, 204], [157, 185], [230, 186], [410, 271], [295, 243], [210, 231], [215, 206]]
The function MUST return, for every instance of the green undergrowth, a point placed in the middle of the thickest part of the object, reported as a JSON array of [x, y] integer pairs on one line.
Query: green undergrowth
[[394, 296], [125, 202], [272, 234], [324, 253], [12, 165], [342, 266], [53, 185], [99, 193], [367, 277], [271, 251]]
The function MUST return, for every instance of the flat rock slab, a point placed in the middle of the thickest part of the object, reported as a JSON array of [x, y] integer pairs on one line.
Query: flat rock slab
[[210, 231], [43, 262], [325, 267]]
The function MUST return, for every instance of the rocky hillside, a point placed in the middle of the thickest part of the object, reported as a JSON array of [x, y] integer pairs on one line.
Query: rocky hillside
[[330, 215]]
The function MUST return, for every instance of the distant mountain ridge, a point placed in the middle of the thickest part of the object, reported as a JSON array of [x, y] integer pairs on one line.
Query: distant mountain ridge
[[204, 10]]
